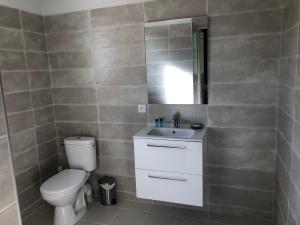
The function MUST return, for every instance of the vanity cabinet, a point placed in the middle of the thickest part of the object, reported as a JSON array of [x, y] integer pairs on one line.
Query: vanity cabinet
[[169, 170]]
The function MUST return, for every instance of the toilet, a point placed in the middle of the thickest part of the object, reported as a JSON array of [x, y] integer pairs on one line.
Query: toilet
[[65, 190]]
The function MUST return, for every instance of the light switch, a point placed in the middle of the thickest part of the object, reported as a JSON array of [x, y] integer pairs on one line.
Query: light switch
[[142, 108]]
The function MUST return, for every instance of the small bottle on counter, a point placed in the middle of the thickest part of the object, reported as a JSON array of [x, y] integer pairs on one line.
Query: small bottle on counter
[[157, 122], [161, 122]]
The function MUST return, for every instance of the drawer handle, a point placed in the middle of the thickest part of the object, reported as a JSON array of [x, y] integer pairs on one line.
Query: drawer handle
[[166, 146], [167, 178]]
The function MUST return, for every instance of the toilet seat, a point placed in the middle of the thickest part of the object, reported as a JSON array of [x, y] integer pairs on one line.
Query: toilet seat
[[67, 181]]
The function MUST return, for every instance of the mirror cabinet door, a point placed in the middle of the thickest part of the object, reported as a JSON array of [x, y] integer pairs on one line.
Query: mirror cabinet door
[[176, 57]]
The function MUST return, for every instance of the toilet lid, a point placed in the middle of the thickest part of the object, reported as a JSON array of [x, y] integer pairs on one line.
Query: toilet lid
[[62, 182]]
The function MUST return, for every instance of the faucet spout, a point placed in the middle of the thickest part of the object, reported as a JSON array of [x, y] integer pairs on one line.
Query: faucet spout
[[176, 120]]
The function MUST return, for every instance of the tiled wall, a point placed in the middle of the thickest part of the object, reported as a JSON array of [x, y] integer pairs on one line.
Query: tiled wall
[[9, 207], [288, 138], [28, 100], [97, 71], [97, 63]]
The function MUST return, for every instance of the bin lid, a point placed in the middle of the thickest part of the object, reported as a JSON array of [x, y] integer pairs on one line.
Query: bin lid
[[107, 183]]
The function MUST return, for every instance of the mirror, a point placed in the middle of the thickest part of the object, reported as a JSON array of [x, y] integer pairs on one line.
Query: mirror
[[176, 58]]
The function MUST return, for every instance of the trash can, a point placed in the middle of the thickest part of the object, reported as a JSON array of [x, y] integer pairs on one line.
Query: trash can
[[108, 193]]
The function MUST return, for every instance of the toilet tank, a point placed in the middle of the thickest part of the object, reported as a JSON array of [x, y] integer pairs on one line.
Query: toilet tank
[[81, 153]]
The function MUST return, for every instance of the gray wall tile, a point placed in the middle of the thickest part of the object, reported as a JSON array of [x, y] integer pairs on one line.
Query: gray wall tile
[[286, 99], [15, 81], [80, 77], [285, 124], [77, 129], [242, 93], [128, 14], [41, 98], [111, 95], [47, 150], [297, 105], [34, 41], [119, 36], [241, 116], [22, 140], [37, 61], [295, 170], [27, 197], [11, 39], [68, 60], [74, 95], [20, 121], [290, 15], [243, 198], [294, 203], [284, 150], [44, 115], [245, 47], [121, 150], [12, 60], [76, 113], [296, 141], [28, 178], [288, 43], [235, 6], [67, 22], [298, 75], [122, 76], [247, 23], [283, 177], [9, 17], [288, 71], [11, 215], [253, 159], [6, 178], [20, 101], [25, 161], [126, 56], [173, 9], [242, 138], [39, 79], [49, 167], [69, 41], [121, 114], [242, 178], [113, 166], [32, 22], [119, 131], [45, 133]]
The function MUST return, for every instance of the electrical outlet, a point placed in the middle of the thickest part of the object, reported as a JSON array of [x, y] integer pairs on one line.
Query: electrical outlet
[[142, 108]]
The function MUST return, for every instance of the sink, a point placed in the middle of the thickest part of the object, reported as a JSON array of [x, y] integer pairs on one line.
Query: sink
[[171, 133], [166, 133]]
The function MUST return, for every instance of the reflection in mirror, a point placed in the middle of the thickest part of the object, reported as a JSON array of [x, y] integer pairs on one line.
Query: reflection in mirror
[[176, 56]]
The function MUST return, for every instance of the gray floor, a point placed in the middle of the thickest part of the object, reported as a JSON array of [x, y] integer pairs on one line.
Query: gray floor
[[138, 213]]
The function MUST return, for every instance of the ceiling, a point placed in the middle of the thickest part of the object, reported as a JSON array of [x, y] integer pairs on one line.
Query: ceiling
[[50, 7]]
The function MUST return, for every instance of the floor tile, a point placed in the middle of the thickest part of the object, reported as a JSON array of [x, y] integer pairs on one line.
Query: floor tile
[[158, 219], [141, 206], [38, 219], [129, 217], [100, 214], [183, 221]]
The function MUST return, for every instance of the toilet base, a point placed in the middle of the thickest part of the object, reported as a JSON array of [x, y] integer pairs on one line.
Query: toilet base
[[66, 215]]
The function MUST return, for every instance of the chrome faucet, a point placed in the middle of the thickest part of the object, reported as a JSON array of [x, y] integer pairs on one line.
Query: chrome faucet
[[176, 120]]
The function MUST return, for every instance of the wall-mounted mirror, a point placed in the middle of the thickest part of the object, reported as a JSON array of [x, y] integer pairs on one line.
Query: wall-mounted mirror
[[176, 58]]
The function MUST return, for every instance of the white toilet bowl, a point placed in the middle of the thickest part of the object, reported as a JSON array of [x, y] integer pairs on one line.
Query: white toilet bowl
[[65, 191]]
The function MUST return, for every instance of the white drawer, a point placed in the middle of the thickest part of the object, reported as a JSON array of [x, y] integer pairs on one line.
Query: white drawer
[[172, 156], [170, 187]]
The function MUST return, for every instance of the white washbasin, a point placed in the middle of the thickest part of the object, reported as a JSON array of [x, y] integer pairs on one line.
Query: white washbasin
[[183, 134], [171, 133]]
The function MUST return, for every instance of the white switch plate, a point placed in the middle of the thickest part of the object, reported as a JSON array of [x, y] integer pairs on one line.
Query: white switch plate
[[142, 108]]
